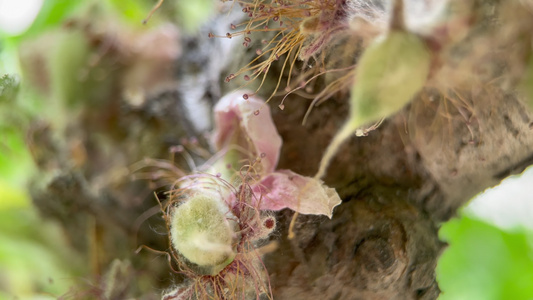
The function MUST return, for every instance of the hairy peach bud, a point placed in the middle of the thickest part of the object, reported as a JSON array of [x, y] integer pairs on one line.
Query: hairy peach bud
[[204, 231]]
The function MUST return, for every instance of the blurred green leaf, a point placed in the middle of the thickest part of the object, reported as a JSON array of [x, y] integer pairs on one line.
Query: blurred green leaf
[[9, 86], [16, 165], [52, 13], [35, 260], [12, 197], [15, 161], [133, 11], [483, 262], [68, 66], [192, 14]]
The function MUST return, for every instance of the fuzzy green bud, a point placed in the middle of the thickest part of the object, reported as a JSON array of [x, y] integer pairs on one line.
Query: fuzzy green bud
[[204, 232]]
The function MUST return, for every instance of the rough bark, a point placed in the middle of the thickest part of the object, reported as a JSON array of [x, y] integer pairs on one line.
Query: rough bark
[[398, 184], [382, 242]]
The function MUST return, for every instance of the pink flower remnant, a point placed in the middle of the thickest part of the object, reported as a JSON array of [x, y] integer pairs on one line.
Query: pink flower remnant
[[237, 121]]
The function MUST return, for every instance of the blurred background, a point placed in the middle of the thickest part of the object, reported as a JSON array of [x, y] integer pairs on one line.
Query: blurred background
[[490, 253]]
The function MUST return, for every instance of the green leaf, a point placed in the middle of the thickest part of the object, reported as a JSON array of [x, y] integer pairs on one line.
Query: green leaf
[[483, 262]]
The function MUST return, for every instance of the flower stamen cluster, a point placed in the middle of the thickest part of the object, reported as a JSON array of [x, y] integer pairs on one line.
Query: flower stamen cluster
[[301, 31]]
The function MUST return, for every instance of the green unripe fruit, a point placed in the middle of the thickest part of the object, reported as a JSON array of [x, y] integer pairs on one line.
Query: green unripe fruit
[[390, 72], [204, 232]]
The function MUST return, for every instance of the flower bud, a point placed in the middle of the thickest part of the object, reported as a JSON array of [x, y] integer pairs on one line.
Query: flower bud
[[204, 231]]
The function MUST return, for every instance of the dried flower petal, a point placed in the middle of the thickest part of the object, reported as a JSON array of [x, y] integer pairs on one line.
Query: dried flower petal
[[237, 122], [306, 195]]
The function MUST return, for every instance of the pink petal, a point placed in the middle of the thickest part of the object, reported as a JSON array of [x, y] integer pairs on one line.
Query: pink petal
[[251, 119], [306, 195]]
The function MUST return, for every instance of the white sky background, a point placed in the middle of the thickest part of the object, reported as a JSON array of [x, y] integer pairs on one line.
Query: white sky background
[[509, 205], [17, 15]]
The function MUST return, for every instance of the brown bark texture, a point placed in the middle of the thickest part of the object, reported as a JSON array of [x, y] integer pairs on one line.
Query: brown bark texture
[[467, 130]]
